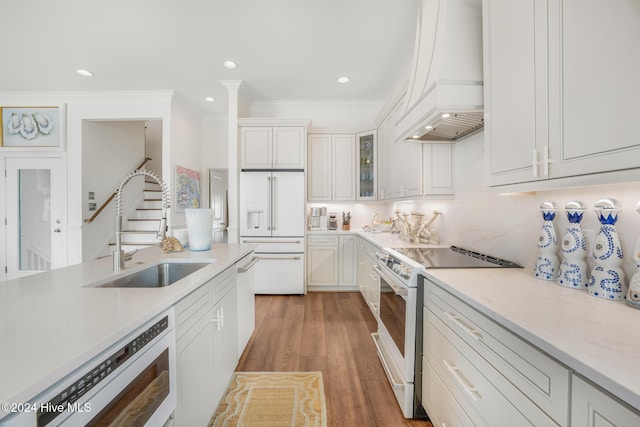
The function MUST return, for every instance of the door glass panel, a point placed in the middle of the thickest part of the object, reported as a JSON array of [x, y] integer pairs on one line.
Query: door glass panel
[[34, 219]]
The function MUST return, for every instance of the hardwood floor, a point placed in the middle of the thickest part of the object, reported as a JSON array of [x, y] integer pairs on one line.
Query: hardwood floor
[[328, 332]]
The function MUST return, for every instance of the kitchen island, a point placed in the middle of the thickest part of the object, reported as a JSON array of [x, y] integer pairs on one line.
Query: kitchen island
[[589, 337], [53, 322]]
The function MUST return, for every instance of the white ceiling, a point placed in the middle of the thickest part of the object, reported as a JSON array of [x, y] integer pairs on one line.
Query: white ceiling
[[286, 49]]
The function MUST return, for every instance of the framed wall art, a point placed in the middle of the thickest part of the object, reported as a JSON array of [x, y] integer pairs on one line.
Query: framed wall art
[[25, 127], [187, 189]]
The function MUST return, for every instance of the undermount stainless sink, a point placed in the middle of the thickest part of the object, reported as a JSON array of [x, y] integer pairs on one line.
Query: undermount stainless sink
[[155, 276]]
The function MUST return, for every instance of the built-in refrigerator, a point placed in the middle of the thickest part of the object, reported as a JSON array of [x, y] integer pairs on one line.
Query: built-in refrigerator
[[272, 217]]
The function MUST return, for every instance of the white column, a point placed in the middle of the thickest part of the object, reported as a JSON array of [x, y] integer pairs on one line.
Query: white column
[[232, 87]]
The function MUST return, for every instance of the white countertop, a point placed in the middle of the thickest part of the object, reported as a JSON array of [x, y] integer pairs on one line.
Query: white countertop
[[50, 324], [597, 338]]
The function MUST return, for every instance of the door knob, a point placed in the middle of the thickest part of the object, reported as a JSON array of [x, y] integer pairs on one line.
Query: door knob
[[56, 230]]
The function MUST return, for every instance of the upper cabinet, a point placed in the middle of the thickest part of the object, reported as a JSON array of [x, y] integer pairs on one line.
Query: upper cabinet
[[332, 167], [561, 88], [272, 147], [366, 177]]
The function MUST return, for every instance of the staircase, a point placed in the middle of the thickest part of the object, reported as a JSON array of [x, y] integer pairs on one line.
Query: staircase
[[140, 229]]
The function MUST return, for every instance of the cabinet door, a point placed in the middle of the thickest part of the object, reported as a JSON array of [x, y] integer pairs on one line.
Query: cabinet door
[[322, 266], [319, 173], [407, 169], [366, 175], [256, 148], [197, 381], [347, 264], [344, 167], [594, 100], [225, 342], [591, 407], [288, 148], [385, 135], [515, 82]]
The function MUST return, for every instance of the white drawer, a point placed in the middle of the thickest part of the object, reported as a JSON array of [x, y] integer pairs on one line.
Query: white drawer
[[192, 307], [471, 379], [318, 240], [533, 373], [592, 407], [443, 409]]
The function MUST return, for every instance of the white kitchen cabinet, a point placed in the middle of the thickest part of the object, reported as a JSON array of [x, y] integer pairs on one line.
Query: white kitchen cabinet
[[272, 147], [552, 110], [332, 167], [592, 407], [437, 170], [322, 261], [206, 348], [400, 164], [347, 261], [367, 158], [368, 278], [484, 367]]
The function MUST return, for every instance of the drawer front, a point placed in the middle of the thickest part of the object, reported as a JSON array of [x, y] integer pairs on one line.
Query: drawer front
[[223, 283], [471, 379], [316, 240], [441, 406], [535, 374], [192, 307], [592, 407]]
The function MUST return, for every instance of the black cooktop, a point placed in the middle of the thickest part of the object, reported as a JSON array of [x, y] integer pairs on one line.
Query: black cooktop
[[454, 257]]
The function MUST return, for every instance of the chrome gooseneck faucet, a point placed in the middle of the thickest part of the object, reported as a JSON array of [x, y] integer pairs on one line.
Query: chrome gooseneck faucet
[[118, 254]]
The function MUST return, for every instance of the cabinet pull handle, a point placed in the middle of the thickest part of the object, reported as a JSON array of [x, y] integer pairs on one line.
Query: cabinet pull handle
[[218, 320], [267, 241], [468, 387], [545, 162], [248, 265], [466, 328], [535, 163], [221, 317], [272, 258]]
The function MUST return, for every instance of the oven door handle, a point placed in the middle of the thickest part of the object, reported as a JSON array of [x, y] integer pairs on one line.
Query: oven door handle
[[399, 290]]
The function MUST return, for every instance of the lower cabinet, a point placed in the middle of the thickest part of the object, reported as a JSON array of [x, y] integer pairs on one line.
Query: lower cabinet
[[592, 407], [492, 375], [206, 348], [368, 278], [331, 262]]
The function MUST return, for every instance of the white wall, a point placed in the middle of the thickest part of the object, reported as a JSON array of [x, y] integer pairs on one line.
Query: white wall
[[186, 134], [215, 151], [153, 146], [110, 150], [322, 113]]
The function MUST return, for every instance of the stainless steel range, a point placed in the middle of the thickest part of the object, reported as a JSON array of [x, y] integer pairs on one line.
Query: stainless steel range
[[399, 337]]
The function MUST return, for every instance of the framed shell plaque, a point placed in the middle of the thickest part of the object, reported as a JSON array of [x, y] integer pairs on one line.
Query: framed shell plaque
[[24, 127]]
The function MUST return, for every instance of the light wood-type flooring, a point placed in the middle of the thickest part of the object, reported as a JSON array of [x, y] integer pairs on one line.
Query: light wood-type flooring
[[328, 332]]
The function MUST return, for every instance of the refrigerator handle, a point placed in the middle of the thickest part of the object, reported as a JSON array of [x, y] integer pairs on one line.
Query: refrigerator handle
[[274, 209], [270, 222]]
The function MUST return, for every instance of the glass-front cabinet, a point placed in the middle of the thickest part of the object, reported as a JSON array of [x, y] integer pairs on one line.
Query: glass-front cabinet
[[367, 170]]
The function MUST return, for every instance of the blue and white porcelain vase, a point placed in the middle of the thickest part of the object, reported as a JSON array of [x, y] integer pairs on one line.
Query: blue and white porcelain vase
[[547, 264], [607, 278], [573, 268], [633, 294]]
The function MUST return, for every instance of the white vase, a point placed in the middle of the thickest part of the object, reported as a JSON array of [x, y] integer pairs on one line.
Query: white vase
[[607, 278], [547, 263], [633, 294], [573, 268], [199, 228]]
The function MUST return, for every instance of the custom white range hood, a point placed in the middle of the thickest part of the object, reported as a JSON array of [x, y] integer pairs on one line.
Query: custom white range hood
[[444, 100]]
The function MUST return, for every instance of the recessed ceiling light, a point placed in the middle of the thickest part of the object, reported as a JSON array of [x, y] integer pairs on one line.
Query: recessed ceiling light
[[445, 115], [209, 99], [229, 65], [428, 127], [84, 73], [344, 79]]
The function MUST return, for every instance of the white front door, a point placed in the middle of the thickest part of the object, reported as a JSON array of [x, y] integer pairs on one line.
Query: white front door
[[35, 215]]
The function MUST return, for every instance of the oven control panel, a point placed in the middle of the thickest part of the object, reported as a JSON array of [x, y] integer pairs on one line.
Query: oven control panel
[[59, 403], [394, 264]]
